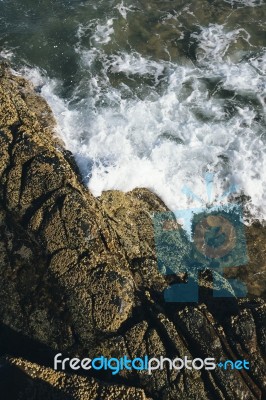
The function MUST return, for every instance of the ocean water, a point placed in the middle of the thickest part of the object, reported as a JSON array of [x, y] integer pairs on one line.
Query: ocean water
[[151, 94]]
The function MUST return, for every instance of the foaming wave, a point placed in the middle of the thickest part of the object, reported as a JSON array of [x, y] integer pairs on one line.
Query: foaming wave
[[214, 42], [175, 123]]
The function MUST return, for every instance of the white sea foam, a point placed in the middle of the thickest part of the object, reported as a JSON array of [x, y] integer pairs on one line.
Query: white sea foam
[[7, 54], [214, 42], [124, 10], [102, 31], [173, 131], [244, 3]]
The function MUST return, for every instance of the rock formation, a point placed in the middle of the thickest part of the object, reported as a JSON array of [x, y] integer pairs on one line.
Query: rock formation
[[79, 276]]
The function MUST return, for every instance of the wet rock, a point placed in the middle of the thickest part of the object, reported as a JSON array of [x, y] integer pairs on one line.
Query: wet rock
[[80, 275]]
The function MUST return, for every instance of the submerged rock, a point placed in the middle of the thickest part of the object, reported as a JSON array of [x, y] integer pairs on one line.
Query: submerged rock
[[79, 275]]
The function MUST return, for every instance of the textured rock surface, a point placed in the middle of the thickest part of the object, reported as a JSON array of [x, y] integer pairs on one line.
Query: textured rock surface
[[37, 382], [80, 275]]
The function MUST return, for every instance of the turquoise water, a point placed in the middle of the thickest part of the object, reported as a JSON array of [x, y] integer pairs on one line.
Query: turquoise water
[[151, 93]]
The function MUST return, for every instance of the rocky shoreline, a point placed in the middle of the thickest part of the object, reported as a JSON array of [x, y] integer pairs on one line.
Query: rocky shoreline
[[79, 276]]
